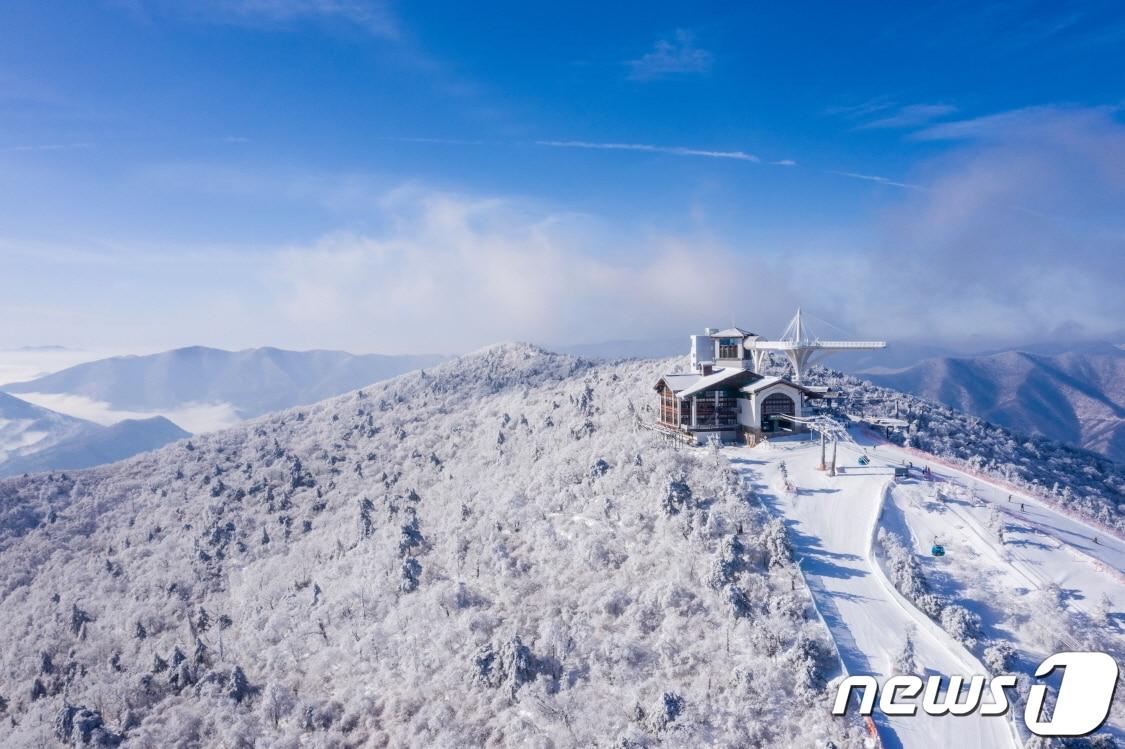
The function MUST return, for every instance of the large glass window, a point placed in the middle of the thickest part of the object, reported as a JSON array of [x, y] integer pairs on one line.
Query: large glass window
[[776, 404], [730, 348], [672, 410]]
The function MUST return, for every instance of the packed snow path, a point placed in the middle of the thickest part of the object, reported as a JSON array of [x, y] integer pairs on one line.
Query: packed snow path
[[830, 523]]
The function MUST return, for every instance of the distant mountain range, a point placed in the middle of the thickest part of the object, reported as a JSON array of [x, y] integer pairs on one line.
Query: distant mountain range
[[253, 381], [24, 426], [1077, 396], [142, 397], [34, 439]]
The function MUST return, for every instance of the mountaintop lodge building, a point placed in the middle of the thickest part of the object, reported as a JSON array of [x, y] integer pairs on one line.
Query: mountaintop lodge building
[[723, 397]]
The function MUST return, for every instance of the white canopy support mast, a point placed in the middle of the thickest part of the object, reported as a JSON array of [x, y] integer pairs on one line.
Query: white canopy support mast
[[802, 348]]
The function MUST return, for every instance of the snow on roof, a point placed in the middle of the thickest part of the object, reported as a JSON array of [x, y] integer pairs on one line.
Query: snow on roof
[[732, 333], [766, 382], [678, 382], [714, 380]]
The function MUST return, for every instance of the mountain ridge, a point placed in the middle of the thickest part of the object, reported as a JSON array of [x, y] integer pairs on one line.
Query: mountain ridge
[[98, 446], [35, 439], [24, 425], [1076, 397], [253, 381]]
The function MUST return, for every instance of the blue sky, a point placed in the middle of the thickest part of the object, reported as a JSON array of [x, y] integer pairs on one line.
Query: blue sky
[[438, 176]]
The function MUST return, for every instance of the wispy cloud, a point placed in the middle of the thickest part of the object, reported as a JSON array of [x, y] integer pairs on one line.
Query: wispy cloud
[[911, 115], [875, 178], [373, 16], [674, 150], [882, 112], [677, 55], [861, 109], [1021, 123]]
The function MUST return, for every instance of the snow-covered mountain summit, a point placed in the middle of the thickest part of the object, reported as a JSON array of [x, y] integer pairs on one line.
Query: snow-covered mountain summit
[[489, 552]]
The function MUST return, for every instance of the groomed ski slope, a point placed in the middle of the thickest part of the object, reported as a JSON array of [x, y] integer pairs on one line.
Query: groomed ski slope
[[831, 522]]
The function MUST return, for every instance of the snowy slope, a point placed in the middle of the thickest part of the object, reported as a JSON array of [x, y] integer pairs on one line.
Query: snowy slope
[[488, 553], [832, 523], [1040, 579], [1046, 587], [1081, 481]]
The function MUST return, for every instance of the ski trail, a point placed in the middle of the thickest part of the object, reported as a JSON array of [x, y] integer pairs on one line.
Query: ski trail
[[1096, 559], [831, 524]]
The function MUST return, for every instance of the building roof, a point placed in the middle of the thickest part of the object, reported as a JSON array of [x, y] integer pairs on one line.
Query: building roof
[[728, 377], [732, 333], [677, 382], [766, 382]]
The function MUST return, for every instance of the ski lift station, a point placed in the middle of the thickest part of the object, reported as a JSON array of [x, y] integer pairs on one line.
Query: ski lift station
[[725, 396]]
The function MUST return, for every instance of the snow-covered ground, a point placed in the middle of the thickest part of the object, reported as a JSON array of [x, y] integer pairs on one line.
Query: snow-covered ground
[[832, 523]]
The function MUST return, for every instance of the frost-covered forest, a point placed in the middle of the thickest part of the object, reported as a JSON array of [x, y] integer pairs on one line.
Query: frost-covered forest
[[488, 553]]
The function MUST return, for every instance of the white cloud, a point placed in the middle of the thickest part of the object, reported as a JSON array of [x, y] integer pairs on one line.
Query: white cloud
[[456, 273], [677, 55], [1018, 233], [675, 150], [1042, 123]]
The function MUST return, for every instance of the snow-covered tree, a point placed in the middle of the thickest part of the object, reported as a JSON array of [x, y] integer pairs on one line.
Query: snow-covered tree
[[906, 661]]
